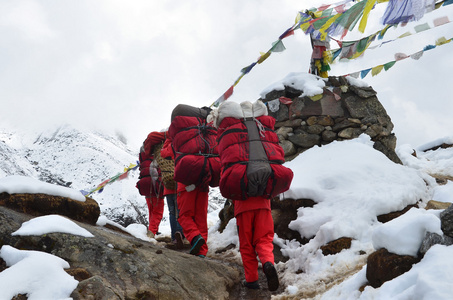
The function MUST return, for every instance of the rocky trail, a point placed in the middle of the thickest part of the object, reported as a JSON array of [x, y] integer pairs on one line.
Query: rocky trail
[[238, 292]]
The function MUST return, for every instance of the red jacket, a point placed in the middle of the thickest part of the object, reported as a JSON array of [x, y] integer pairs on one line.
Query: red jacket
[[194, 148], [238, 179], [150, 182]]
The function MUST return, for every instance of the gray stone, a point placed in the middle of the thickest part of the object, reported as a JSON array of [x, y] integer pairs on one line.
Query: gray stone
[[289, 123], [288, 147], [282, 132], [341, 124], [432, 239], [281, 115], [315, 129], [328, 136], [363, 92], [305, 140], [446, 221], [350, 133], [374, 130], [387, 152], [360, 108]]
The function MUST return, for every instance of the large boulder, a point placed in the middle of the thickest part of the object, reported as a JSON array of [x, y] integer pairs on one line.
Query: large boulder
[[42, 204], [115, 265]]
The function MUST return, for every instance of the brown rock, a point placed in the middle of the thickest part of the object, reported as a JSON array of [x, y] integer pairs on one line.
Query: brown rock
[[336, 246], [432, 204], [42, 204], [390, 216], [383, 266]]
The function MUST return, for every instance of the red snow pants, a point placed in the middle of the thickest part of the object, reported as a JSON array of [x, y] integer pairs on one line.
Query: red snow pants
[[156, 211], [256, 233], [193, 215]]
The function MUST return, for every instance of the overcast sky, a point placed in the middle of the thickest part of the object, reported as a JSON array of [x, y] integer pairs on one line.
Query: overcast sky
[[124, 65]]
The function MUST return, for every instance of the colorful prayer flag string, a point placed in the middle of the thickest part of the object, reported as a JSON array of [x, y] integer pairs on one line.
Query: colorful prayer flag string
[[336, 19], [398, 57], [354, 49], [119, 176]]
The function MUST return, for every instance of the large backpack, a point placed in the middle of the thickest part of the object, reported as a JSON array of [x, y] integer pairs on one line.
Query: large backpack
[[150, 181], [194, 146], [251, 157], [167, 168]]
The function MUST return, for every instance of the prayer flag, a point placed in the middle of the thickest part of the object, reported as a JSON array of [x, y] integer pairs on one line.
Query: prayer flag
[[278, 46], [263, 57], [441, 21], [364, 73], [417, 55], [421, 27], [400, 56], [429, 47], [376, 70], [389, 65]]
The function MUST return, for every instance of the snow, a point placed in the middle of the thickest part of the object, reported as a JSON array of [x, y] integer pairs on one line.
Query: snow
[[309, 84], [22, 184], [49, 224], [38, 274]]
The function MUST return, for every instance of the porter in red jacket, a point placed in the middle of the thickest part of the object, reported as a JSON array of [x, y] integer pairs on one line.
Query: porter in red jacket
[[251, 174], [150, 182], [197, 167]]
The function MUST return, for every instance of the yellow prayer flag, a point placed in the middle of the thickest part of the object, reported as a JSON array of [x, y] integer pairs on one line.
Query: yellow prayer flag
[[366, 12], [264, 56], [305, 26], [404, 35], [441, 41], [376, 70], [327, 25]]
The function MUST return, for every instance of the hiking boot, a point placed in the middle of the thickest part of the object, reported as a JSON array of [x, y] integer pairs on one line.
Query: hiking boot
[[251, 285], [150, 234], [271, 275], [179, 242], [196, 243]]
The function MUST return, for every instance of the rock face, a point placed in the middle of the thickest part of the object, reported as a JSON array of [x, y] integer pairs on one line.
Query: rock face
[[115, 265], [342, 112], [41, 204]]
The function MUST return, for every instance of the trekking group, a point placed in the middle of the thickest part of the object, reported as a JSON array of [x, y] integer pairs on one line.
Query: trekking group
[[233, 147]]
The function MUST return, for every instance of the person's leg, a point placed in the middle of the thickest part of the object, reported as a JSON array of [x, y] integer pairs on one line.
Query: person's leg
[[156, 213], [201, 219], [186, 204], [171, 204], [150, 213], [244, 223], [263, 242], [263, 237]]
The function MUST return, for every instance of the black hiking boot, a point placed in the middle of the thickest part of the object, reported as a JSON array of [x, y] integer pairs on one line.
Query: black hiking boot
[[251, 285], [271, 275], [196, 243]]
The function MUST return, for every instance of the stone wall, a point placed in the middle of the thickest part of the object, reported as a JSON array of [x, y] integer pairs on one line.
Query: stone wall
[[343, 111]]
